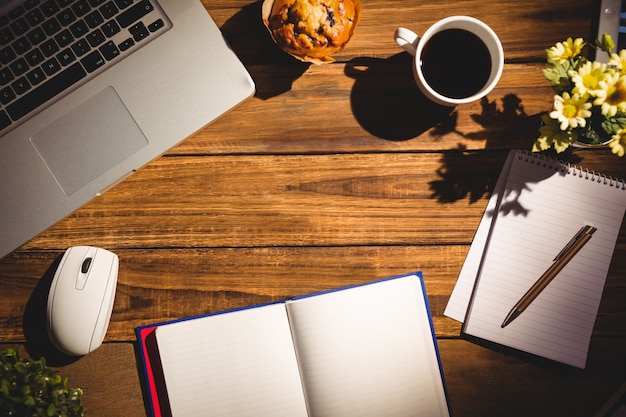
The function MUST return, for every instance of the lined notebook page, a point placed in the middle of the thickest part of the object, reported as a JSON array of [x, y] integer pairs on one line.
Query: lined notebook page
[[369, 351], [543, 207], [237, 364], [462, 292]]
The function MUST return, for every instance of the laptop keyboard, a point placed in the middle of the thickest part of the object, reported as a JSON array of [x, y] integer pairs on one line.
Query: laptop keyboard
[[49, 46]]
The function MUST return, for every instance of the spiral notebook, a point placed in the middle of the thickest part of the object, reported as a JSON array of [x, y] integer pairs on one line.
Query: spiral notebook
[[538, 204]]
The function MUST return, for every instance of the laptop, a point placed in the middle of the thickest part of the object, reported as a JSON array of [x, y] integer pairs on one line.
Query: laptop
[[92, 90]]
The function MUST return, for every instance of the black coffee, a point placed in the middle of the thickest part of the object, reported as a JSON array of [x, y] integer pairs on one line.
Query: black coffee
[[456, 63]]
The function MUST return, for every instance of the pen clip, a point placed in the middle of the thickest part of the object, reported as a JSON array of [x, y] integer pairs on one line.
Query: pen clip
[[583, 231]]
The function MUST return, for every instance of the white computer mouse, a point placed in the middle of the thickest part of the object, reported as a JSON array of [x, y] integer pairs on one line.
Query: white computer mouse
[[81, 299]]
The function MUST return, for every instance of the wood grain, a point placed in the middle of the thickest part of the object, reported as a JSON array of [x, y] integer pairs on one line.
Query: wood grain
[[330, 175], [110, 379]]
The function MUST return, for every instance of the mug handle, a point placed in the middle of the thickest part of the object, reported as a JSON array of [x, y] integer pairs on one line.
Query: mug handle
[[407, 39]]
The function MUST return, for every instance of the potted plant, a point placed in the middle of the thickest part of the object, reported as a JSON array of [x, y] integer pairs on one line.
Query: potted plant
[[590, 98], [30, 388]]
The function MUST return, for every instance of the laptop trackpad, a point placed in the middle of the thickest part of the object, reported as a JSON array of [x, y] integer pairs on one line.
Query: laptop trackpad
[[89, 140]]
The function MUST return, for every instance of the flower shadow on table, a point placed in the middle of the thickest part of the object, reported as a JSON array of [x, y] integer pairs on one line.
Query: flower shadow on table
[[473, 175], [387, 103], [250, 40]]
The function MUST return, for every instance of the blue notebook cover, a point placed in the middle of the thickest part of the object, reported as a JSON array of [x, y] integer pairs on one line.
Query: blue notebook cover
[[154, 379]]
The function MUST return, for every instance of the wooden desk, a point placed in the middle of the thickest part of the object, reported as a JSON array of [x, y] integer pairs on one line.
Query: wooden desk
[[331, 175]]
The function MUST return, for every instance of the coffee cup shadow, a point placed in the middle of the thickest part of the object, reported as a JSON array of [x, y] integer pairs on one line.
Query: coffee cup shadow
[[386, 101]]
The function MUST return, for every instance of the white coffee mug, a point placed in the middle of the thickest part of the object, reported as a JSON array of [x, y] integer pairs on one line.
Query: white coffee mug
[[457, 60]]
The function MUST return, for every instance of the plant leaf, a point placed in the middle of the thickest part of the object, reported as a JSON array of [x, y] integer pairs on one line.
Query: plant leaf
[[614, 124]]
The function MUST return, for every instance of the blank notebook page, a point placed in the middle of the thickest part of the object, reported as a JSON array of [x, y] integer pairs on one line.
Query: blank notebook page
[[369, 351], [543, 207], [236, 364]]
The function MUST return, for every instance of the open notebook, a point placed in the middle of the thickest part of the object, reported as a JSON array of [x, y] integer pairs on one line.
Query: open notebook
[[368, 350], [538, 204]]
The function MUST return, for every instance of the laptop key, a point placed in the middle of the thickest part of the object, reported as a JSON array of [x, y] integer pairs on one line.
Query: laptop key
[[66, 57], [64, 38], [139, 31], [122, 4], [7, 55], [20, 86], [29, 4], [109, 51], [81, 7], [93, 61], [36, 36], [34, 57], [135, 13], [81, 47], [6, 36], [19, 66], [51, 66], [110, 28], [6, 76], [66, 17], [49, 8], [36, 76], [126, 44], [46, 91], [79, 28], [49, 47], [95, 38], [94, 19], [6, 95], [17, 12], [108, 10], [156, 25], [21, 45], [51, 26], [19, 26], [5, 121], [34, 17], [64, 3]]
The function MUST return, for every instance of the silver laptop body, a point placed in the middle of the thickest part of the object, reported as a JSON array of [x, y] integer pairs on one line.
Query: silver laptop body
[[63, 154]]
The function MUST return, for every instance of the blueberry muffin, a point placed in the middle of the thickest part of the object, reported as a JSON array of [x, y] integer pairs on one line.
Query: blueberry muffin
[[312, 29]]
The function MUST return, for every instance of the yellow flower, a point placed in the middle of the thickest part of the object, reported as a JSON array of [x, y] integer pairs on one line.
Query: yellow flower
[[563, 51], [618, 142], [552, 135], [587, 78], [612, 96], [571, 111], [619, 61]]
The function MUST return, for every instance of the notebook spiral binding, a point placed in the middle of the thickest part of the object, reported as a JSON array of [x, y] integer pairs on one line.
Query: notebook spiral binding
[[569, 169]]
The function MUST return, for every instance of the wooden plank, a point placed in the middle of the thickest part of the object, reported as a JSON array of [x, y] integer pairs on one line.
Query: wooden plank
[[551, 22], [109, 378], [158, 285], [492, 383], [296, 200], [372, 104]]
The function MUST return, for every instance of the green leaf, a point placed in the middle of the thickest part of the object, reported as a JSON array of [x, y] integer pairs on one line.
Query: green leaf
[[613, 124], [558, 77], [606, 43], [30, 388]]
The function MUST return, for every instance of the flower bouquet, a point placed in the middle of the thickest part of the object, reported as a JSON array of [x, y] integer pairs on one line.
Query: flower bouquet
[[590, 101]]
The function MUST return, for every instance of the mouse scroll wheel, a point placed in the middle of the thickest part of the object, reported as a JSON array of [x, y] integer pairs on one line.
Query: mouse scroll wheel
[[86, 264]]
